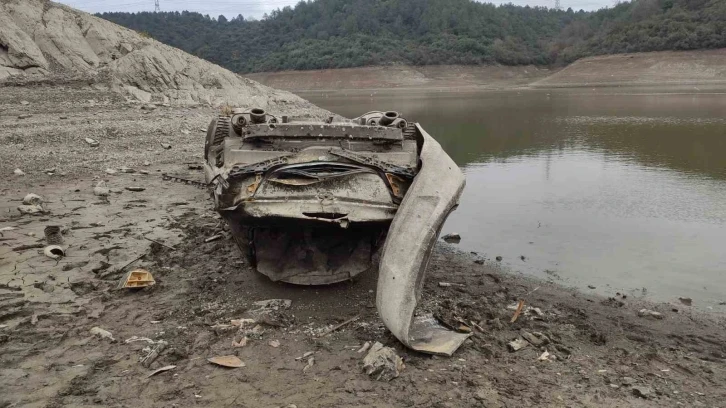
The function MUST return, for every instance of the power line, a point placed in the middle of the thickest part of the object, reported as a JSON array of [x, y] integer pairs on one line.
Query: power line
[[558, 6], [158, 9]]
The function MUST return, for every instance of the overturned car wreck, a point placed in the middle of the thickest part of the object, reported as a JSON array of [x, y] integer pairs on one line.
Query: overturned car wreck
[[314, 203]]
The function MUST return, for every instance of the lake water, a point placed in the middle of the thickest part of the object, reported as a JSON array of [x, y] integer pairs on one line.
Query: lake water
[[621, 190]]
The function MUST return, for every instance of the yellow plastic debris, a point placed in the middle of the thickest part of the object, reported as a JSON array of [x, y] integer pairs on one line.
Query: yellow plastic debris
[[138, 278]]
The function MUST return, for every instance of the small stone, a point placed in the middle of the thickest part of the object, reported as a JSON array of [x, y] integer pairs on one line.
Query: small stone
[[499, 259], [382, 363], [643, 392], [32, 199], [591, 287], [452, 238], [136, 189], [627, 381], [24, 103], [166, 146], [19, 172], [25, 116], [686, 301], [63, 117], [650, 314], [101, 190], [110, 171], [92, 142], [274, 343], [536, 339], [146, 163], [126, 170], [30, 209], [516, 345], [479, 262]]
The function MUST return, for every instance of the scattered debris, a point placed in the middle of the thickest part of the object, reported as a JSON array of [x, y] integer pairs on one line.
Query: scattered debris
[[25, 116], [650, 314], [157, 242], [449, 284], [227, 361], [241, 343], [111, 171], [136, 279], [104, 334], [310, 364], [153, 353], [242, 322], [127, 170], [161, 370], [643, 392], [136, 189], [516, 345], [32, 199], [19, 172], [536, 339], [92, 142], [591, 287], [627, 381], [338, 326], [274, 343], [365, 347], [499, 259], [30, 209], [306, 355], [101, 190], [517, 312], [195, 167], [53, 235], [54, 252], [544, 356], [274, 304], [452, 238], [213, 238], [686, 301], [382, 363], [24, 103], [166, 146]]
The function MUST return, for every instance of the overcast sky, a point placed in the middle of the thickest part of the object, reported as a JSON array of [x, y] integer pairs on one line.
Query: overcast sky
[[256, 8]]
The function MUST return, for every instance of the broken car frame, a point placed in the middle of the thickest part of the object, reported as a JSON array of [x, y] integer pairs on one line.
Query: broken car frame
[[320, 202]]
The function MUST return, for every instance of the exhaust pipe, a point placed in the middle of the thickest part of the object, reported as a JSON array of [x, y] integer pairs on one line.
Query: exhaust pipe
[[258, 115], [388, 118]]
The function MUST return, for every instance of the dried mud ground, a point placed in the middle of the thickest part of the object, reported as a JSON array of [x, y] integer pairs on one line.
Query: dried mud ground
[[602, 354]]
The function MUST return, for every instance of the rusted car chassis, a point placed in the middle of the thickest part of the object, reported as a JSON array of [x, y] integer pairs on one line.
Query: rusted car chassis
[[315, 203]]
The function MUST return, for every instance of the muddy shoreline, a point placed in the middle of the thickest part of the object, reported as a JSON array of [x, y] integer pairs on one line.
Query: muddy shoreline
[[601, 352]]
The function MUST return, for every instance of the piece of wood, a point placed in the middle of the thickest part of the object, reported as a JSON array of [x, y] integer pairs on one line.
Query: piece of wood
[[338, 326], [520, 306]]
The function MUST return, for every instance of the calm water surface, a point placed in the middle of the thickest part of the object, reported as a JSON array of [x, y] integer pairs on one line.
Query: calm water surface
[[619, 190]]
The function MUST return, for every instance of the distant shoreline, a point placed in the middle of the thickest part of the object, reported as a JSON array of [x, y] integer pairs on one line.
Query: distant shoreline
[[704, 70]]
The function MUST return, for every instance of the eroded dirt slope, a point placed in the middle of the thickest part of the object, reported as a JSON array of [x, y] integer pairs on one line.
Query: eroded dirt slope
[[42, 41]]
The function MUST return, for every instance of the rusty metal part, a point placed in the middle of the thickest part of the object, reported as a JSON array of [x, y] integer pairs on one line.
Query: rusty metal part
[[323, 131], [53, 235], [370, 161], [411, 238], [169, 177]]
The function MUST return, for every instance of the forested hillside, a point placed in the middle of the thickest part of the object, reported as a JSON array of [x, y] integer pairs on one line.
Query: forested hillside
[[350, 33]]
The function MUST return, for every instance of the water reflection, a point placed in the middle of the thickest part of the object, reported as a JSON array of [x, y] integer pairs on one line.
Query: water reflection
[[617, 190]]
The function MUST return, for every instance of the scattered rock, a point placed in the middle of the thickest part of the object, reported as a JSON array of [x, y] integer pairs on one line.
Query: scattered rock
[[104, 334], [452, 238], [499, 259], [544, 356], [126, 170], [92, 142], [516, 345], [32, 199], [591, 287], [110, 171], [166, 146], [382, 363], [136, 189], [24, 103], [310, 364], [101, 190], [25, 116], [686, 301], [536, 339], [63, 117], [365, 347], [274, 343], [627, 381], [479, 262], [650, 314], [19, 172], [30, 209], [146, 163], [643, 392]]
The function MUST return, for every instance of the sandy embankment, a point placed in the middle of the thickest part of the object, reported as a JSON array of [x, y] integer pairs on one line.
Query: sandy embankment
[[702, 69]]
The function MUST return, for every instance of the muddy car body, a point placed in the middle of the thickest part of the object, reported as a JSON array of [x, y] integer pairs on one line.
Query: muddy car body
[[321, 202]]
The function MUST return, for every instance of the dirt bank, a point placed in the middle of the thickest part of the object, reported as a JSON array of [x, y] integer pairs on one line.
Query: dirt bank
[[675, 70], [436, 76], [601, 353]]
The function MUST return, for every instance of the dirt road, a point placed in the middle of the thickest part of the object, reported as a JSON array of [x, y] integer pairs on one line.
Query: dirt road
[[600, 351]]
